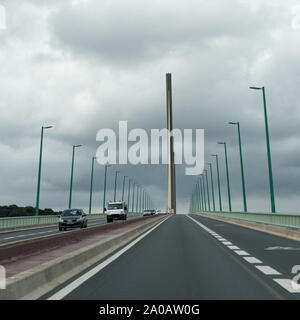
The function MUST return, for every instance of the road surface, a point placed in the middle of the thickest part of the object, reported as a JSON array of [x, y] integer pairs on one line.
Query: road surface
[[33, 233], [182, 259]]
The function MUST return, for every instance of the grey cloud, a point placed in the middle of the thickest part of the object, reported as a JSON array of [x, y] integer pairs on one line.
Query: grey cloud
[[136, 32], [83, 68]]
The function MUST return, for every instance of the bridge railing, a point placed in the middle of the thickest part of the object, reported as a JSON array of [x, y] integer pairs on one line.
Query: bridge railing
[[26, 221], [282, 220]]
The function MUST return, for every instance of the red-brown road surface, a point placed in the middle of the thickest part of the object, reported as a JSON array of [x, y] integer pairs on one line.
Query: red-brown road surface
[[23, 256]]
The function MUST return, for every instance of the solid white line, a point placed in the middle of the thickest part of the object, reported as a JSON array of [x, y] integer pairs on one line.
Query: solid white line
[[252, 260], [227, 243], [268, 270], [8, 238], [289, 285], [200, 224], [76, 283], [241, 253]]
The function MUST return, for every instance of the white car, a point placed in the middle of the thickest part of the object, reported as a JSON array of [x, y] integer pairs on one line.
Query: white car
[[116, 210]]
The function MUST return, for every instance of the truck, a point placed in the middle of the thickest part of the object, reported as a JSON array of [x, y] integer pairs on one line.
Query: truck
[[116, 210]]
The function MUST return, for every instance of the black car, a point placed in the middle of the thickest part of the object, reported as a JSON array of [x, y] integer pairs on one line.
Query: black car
[[72, 218]]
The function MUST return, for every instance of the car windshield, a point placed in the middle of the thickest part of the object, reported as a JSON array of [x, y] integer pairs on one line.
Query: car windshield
[[71, 213], [113, 206]]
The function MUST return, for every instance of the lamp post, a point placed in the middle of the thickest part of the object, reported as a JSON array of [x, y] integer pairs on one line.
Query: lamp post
[[40, 171], [133, 197], [204, 191], [138, 189], [123, 188], [242, 165], [227, 175], [219, 185], [201, 193], [72, 171], [115, 189], [208, 199], [143, 200], [192, 200], [197, 197], [140, 206], [91, 187], [212, 186], [104, 188], [272, 196], [128, 198]]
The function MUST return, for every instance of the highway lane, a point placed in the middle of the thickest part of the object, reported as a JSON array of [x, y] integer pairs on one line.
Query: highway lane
[[181, 259], [12, 236], [279, 253]]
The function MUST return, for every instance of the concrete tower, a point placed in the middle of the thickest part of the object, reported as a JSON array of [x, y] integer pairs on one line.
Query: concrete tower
[[171, 166]]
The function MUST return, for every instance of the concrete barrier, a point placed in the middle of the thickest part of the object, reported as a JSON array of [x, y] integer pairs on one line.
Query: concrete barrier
[[285, 232], [33, 283], [91, 217]]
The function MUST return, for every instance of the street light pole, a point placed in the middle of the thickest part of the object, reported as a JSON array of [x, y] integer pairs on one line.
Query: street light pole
[[227, 175], [208, 199], [116, 178], [242, 165], [138, 189], [272, 196], [140, 206], [104, 188], [201, 193], [72, 171], [219, 185], [123, 187], [91, 187], [39, 171], [197, 197], [133, 197], [212, 186], [128, 198], [204, 191]]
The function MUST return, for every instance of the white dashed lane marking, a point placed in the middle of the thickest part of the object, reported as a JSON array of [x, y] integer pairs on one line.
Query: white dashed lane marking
[[252, 260], [233, 247], [288, 284], [241, 253], [268, 270]]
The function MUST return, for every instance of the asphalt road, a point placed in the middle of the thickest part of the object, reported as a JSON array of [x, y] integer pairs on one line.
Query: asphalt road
[[181, 259], [12, 236]]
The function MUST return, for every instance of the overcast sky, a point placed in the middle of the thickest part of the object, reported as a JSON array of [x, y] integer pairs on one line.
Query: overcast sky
[[83, 65]]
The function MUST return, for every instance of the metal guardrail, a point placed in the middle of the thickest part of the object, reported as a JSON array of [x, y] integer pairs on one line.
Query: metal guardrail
[[282, 220], [26, 221]]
